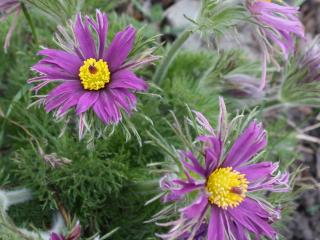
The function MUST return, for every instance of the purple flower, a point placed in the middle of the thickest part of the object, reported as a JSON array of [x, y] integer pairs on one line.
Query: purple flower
[[278, 24], [242, 86], [91, 76], [8, 7], [224, 181]]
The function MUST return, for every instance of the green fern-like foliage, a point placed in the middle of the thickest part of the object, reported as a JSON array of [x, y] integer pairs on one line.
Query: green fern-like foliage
[[295, 90]]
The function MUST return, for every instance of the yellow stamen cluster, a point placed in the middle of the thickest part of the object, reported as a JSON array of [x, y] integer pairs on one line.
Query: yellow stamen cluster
[[226, 187], [94, 74]]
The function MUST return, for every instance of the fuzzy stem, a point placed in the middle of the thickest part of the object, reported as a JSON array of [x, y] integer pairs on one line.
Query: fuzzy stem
[[62, 210], [265, 56], [162, 70], [28, 17]]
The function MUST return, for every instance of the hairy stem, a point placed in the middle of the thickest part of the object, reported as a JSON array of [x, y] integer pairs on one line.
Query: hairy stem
[[62, 210], [28, 17], [171, 54]]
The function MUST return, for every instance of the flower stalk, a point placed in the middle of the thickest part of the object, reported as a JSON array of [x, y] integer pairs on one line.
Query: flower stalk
[[163, 68], [30, 22]]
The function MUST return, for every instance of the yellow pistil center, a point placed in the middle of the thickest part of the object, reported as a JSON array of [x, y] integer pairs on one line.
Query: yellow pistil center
[[226, 187], [94, 74]]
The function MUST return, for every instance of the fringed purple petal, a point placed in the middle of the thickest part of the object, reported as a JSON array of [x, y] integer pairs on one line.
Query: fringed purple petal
[[166, 184], [101, 28], [63, 94], [52, 71], [258, 171], [185, 187], [111, 107], [71, 102], [86, 101], [251, 142], [277, 183], [281, 42], [179, 228], [256, 221], [203, 122], [212, 152], [195, 209], [237, 230], [55, 102], [124, 99], [120, 48], [69, 62], [9, 6], [281, 23], [128, 80], [194, 166], [106, 109], [201, 233], [66, 87], [216, 224], [84, 38]]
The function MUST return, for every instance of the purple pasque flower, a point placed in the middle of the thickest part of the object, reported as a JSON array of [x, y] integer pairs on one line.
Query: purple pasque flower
[[91, 76], [242, 86], [8, 7], [224, 181], [279, 24]]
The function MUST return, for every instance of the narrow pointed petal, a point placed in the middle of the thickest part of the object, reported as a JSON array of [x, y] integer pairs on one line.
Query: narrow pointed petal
[[84, 38], [101, 28], [127, 80], [196, 208], [194, 166], [257, 171], [86, 101], [67, 61], [256, 221], [216, 225], [120, 48], [250, 142]]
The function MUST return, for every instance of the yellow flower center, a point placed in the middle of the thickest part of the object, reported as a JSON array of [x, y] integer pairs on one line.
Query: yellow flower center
[[94, 74], [226, 187]]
